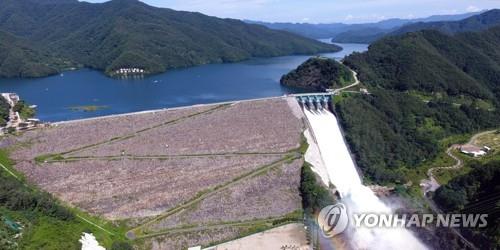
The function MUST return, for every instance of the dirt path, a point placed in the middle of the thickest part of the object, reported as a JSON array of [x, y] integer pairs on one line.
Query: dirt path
[[159, 157], [208, 227]]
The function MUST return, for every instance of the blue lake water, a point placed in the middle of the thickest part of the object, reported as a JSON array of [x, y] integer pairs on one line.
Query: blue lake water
[[255, 78]]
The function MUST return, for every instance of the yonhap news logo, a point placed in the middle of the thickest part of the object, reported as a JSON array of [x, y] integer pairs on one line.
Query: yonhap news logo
[[333, 220]]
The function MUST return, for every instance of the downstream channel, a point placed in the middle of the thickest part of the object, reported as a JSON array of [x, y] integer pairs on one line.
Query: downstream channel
[[358, 198]]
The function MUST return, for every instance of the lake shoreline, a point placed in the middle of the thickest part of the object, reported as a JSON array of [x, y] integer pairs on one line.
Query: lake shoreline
[[212, 83]]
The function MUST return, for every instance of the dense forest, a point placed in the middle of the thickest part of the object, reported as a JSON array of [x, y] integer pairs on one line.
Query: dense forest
[[20, 205], [129, 33], [425, 86], [314, 195], [15, 196], [477, 192], [4, 111], [19, 57], [319, 73]]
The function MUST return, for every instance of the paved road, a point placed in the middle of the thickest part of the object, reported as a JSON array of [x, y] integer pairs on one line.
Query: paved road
[[356, 82]]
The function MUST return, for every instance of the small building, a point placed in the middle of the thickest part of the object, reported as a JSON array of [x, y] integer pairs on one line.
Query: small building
[[33, 121], [195, 248], [472, 150], [486, 149]]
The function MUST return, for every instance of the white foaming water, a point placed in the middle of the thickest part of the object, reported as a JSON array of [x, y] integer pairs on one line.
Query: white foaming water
[[89, 242], [358, 198]]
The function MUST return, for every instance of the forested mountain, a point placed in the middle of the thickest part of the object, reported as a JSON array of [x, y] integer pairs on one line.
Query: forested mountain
[[315, 31], [129, 33], [475, 23], [478, 22], [356, 33], [319, 73], [366, 35], [477, 192], [20, 58], [425, 86]]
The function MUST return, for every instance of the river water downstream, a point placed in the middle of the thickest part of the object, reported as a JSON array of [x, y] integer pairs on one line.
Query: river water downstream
[[88, 93], [358, 198]]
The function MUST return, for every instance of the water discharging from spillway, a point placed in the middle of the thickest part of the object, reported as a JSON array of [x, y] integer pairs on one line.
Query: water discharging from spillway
[[357, 198]]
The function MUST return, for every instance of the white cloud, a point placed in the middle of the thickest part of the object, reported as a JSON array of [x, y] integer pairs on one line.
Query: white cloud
[[472, 8]]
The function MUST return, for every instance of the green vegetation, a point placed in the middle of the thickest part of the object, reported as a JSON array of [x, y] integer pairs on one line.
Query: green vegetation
[[88, 108], [400, 126], [25, 111], [477, 192], [319, 73], [20, 58], [4, 111], [121, 245], [364, 35], [49, 157], [314, 195], [45, 222], [130, 34]]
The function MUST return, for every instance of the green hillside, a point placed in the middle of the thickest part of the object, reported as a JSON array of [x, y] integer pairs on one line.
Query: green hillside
[[129, 33], [319, 73], [451, 25], [477, 192], [18, 58], [425, 86]]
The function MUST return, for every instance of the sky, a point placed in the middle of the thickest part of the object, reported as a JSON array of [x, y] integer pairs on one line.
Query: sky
[[324, 11]]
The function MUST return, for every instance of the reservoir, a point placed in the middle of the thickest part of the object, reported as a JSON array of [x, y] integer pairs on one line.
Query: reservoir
[[88, 93]]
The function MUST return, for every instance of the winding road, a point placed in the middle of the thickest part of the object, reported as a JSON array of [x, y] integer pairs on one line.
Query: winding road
[[431, 184]]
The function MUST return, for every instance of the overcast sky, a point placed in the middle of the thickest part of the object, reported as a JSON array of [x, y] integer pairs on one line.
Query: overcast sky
[[324, 11]]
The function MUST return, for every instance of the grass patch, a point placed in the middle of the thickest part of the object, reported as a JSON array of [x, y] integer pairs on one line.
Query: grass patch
[[491, 140], [48, 157], [88, 108], [415, 175]]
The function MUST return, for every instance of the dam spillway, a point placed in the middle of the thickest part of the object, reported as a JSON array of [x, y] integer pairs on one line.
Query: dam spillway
[[358, 198], [315, 101]]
